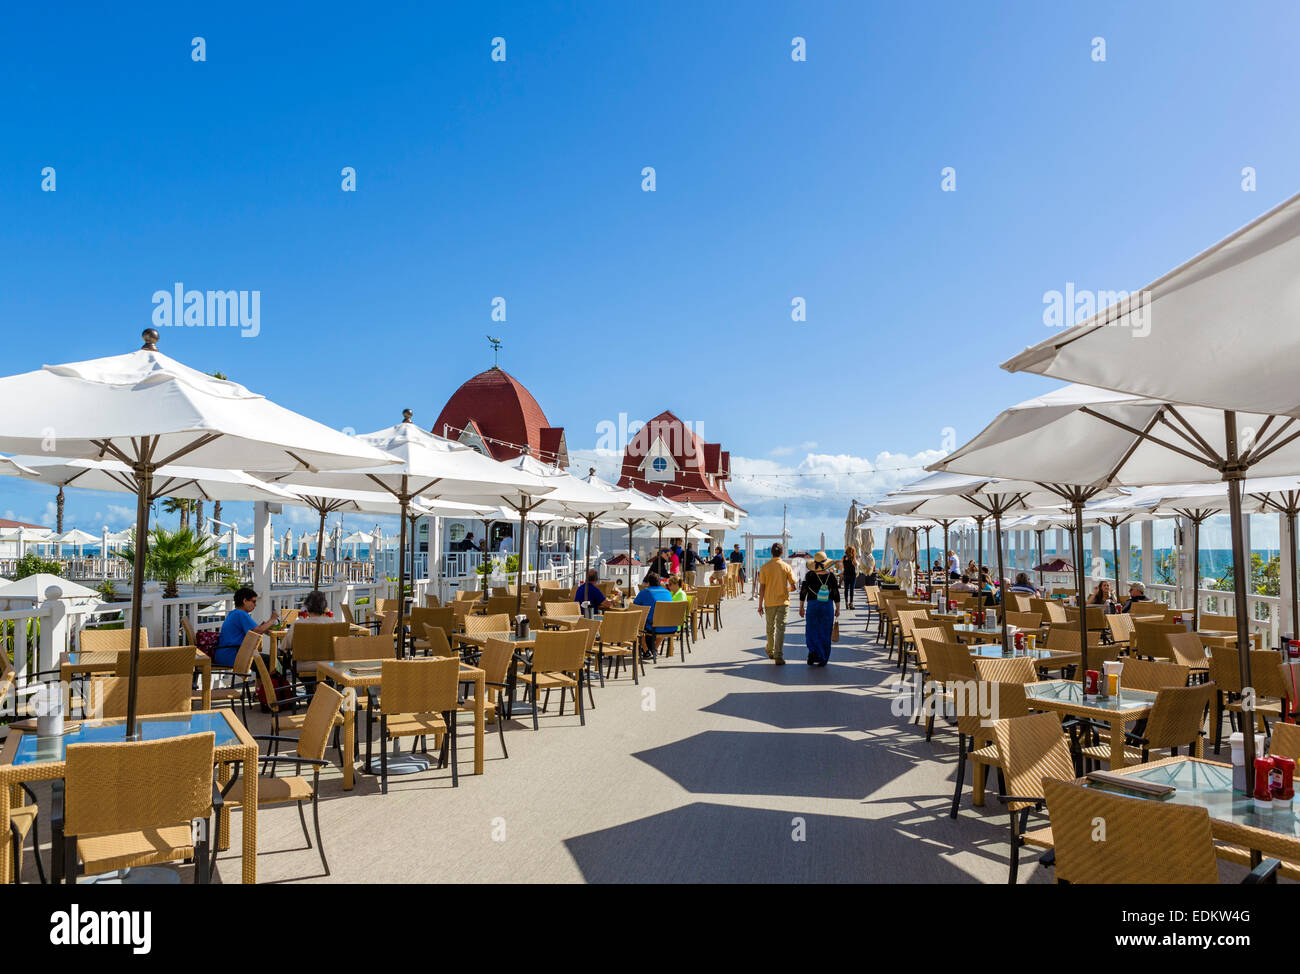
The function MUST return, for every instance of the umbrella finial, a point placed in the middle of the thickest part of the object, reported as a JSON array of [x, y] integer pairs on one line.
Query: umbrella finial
[[150, 336], [406, 415]]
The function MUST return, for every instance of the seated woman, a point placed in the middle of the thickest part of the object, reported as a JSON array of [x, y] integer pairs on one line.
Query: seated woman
[[239, 623], [1101, 595], [315, 609]]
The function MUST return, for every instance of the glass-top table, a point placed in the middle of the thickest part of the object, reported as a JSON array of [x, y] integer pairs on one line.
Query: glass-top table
[[994, 651], [34, 749], [1209, 786], [1070, 693]]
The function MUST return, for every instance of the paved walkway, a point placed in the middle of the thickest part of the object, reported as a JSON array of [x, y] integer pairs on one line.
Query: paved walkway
[[724, 768]]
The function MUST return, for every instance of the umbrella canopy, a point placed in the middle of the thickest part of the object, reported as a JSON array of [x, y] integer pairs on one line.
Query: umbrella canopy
[[33, 588], [427, 465], [76, 536], [148, 411], [173, 480]]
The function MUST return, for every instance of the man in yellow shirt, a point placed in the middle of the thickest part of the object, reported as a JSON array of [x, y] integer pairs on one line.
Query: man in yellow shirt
[[775, 583]]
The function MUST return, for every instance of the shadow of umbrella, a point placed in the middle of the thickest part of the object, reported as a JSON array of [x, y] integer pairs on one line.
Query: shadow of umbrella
[[708, 843], [804, 709], [771, 763]]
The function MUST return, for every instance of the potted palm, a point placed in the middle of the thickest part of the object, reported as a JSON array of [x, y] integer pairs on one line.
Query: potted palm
[[173, 556]]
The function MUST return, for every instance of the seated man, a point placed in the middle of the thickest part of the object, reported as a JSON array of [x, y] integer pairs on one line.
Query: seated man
[[653, 592], [239, 623], [1137, 592], [965, 585], [589, 591], [1023, 585]]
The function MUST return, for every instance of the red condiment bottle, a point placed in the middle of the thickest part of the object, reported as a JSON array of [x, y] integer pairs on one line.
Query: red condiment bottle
[[1282, 778], [1263, 796]]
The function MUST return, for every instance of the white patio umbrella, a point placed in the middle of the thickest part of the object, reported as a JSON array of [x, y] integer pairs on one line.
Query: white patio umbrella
[[1079, 439], [641, 508], [32, 588], [148, 411], [428, 466]]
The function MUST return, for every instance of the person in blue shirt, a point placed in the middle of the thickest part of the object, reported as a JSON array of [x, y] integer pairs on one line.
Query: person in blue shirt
[[653, 592], [589, 591], [239, 623]]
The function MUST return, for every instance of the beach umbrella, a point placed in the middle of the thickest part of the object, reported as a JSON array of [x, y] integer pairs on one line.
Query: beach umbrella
[[1237, 307], [640, 508], [427, 466], [149, 411], [1133, 440], [33, 587]]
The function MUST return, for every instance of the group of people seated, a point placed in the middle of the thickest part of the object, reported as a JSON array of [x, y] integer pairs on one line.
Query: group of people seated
[[1101, 595]]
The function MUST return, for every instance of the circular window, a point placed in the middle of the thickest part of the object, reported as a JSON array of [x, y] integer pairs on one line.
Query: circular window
[[659, 464]]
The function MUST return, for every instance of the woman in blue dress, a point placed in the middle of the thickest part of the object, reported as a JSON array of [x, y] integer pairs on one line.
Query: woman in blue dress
[[819, 604]]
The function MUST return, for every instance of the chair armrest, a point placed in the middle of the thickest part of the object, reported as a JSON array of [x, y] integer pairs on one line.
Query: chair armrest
[[274, 737], [1038, 801], [218, 800], [1265, 872], [292, 759]]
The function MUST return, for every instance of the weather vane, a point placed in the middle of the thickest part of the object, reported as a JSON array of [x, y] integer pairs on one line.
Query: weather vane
[[496, 347]]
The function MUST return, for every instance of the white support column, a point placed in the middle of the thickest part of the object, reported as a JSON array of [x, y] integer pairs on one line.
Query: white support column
[[1060, 544], [1287, 582], [151, 613], [54, 630], [1245, 538], [1148, 535], [262, 544]]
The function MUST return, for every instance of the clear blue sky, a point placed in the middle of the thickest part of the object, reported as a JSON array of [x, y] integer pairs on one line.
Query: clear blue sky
[[522, 179]]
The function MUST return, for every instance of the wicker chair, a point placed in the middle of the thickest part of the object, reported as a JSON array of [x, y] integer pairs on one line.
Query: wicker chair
[[134, 804], [350, 648], [283, 711], [495, 664], [1053, 612], [1145, 842], [96, 640], [420, 697], [432, 602], [620, 638], [312, 643], [436, 643], [907, 620], [22, 818], [165, 661], [1145, 674], [1225, 674], [671, 614], [1150, 639], [443, 618], [567, 609], [1189, 651], [154, 695], [241, 676], [559, 663], [1028, 621], [1177, 719], [978, 703], [1031, 749], [708, 603], [1010, 669], [322, 717]]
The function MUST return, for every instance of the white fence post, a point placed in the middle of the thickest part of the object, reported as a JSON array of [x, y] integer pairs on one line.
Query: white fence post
[[53, 615], [151, 613]]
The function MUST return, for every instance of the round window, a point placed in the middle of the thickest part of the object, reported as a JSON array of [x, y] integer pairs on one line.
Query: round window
[[659, 464]]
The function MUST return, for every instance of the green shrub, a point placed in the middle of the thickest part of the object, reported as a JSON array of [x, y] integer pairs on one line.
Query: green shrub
[[33, 564]]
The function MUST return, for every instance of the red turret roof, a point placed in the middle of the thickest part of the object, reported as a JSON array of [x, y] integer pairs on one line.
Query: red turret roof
[[695, 460], [499, 409]]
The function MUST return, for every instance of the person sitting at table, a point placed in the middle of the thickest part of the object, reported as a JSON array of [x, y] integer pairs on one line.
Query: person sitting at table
[[1023, 585], [1101, 595], [315, 608], [589, 591], [239, 623], [653, 592], [965, 585], [1137, 592]]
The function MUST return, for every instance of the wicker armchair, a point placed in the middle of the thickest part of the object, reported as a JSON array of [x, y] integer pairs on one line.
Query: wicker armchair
[[1031, 749], [559, 663], [420, 698]]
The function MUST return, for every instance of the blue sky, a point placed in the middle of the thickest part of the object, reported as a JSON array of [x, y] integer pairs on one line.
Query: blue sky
[[521, 179]]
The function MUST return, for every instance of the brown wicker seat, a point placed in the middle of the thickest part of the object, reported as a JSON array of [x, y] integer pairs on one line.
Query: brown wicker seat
[[559, 663], [620, 638], [312, 643], [1145, 841], [495, 664], [1031, 749], [349, 648], [1176, 720], [436, 642], [154, 695], [100, 640], [671, 614], [1145, 674], [165, 661], [419, 699], [1225, 673], [1011, 669], [478, 625], [134, 804], [1188, 650], [322, 716], [443, 618]]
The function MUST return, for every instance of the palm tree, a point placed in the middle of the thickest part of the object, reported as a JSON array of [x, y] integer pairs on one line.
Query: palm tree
[[216, 511], [173, 556], [58, 513], [198, 517], [179, 505]]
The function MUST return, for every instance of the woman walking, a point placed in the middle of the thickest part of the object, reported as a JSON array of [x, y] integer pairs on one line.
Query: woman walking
[[819, 603], [850, 573]]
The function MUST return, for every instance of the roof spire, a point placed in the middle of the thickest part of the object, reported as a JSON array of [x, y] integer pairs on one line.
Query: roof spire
[[496, 348]]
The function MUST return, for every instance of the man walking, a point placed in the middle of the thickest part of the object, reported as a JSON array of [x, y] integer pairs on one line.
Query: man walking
[[775, 583]]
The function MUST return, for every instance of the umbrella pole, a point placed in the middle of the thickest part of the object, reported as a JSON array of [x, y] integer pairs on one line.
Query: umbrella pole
[[1233, 474], [947, 574], [587, 551], [523, 549], [144, 488], [1041, 583], [997, 532], [1078, 588], [1114, 543], [401, 576], [929, 559], [1291, 562], [1196, 574], [630, 526], [320, 549]]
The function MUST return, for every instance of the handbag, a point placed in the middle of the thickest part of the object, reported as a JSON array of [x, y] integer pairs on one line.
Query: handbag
[[835, 631]]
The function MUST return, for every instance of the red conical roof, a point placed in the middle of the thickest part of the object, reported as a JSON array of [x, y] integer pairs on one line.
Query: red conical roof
[[504, 413]]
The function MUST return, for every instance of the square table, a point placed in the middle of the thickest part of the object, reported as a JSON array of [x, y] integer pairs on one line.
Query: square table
[[1067, 697], [1045, 658], [982, 634], [27, 757], [1233, 818], [354, 675], [78, 662]]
